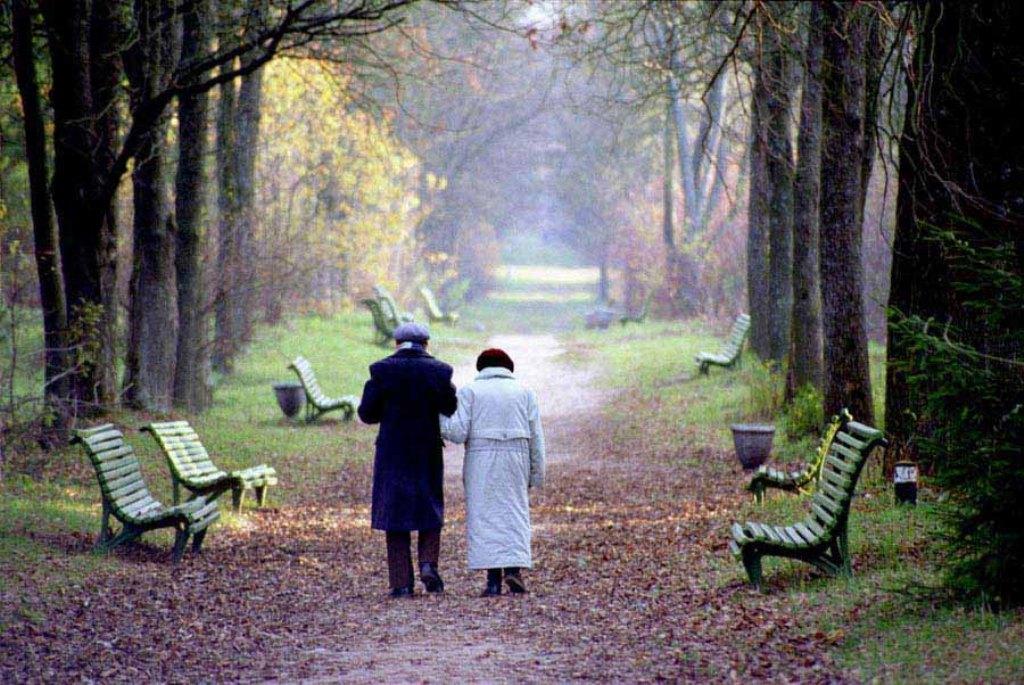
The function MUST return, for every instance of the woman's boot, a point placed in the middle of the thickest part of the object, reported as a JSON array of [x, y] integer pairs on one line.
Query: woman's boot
[[493, 588], [514, 580]]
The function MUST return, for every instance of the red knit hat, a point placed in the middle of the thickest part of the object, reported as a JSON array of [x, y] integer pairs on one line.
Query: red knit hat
[[494, 357]]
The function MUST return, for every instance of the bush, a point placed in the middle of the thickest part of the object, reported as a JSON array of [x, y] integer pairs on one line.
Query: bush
[[805, 415], [973, 422], [765, 390]]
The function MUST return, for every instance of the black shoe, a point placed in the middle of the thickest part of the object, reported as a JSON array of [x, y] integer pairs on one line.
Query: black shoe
[[515, 583], [493, 588], [399, 592], [430, 578]]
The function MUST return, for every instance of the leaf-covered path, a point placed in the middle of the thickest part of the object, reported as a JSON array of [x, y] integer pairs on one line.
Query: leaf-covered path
[[632, 581]]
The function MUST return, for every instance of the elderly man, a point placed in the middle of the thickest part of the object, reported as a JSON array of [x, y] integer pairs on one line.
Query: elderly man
[[405, 393]]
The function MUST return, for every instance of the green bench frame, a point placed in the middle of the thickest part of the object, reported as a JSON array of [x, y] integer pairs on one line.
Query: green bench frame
[[434, 313], [127, 498], [822, 538], [191, 467], [640, 316], [383, 331], [317, 403], [389, 307], [798, 481], [730, 353]]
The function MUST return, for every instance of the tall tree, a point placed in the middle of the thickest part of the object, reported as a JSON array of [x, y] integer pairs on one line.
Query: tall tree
[[847, 378], [805, 360], [960, 175], [51, 285], [82, 207], [150, 61], [226, 338], [778, 74], [191, 371], [758, 275]]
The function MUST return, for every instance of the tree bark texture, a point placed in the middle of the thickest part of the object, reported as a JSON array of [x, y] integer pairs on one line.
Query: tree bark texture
[[44, 230], [847, 378], [192, 370], [805, 362], [780, 189], [225, 336], [961, 170], [758, 275], [153, 319]]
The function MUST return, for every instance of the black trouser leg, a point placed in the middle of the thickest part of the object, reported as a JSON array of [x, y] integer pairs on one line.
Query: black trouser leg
[[493, 576], [512, 571], [399, 558], [429, 546]]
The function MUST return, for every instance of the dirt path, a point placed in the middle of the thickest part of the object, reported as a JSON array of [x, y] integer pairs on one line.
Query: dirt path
[[567, 393]]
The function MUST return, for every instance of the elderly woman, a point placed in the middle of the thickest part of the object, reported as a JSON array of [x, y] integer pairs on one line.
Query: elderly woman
[[498, 420]]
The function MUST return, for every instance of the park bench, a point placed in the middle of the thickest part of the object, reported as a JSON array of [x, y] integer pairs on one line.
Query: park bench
[[317, 403], [383, 329], [192, 469], [638, 316], [390, 307], [434, 312], [729, 354], [800, 480], [126, 497], [822, 538]]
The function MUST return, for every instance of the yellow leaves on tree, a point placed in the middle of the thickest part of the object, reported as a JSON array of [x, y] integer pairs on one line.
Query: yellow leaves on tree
[[336, 187]]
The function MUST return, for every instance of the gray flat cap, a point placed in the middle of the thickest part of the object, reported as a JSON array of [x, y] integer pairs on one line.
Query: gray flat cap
[[412, 332]]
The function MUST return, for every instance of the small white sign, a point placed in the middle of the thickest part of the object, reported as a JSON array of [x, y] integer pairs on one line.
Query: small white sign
[[905, 474]]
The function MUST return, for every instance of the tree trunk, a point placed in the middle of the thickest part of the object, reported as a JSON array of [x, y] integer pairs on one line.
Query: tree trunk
[[225, 336], [780, 208], [84, 231], [192, 369], [153, 323], [44, 230], [758, 278], [960, 170], [847, 378], [874, 61], [247, 127], [668, 230], [805, 361]]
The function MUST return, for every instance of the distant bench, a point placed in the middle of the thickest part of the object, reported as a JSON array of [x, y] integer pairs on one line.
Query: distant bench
[[729, 354], [317, 403]]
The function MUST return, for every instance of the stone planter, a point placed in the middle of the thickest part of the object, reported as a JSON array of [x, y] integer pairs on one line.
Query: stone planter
[[753, 443], [290, 397]]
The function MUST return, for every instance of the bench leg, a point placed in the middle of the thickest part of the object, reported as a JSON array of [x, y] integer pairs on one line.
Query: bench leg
[[752, 564], [103, 540], [197, 541], [180, 540], [176, 490], [843, 551], [261, 495], [237, 495]]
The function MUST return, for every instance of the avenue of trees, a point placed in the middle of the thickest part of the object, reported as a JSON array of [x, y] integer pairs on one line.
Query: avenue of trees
[[175, 173]]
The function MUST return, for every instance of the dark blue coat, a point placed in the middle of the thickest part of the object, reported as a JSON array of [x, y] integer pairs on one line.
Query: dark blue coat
[[405, 394]]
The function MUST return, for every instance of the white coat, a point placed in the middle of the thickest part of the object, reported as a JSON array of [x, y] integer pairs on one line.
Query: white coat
[[499, 421]]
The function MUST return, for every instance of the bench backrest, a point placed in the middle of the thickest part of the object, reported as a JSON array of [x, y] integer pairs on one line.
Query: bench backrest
[[118, 472], [388, 305], [432, 307], [186, 456], [813, 469], [314, 394], [379, 320], [734, 343], [850, 449]]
